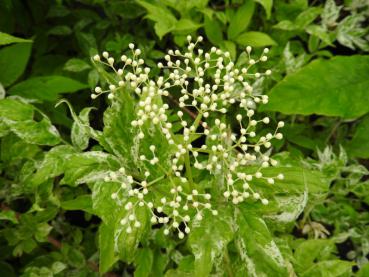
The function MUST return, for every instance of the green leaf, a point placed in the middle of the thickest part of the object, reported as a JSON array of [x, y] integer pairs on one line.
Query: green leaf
[[163, 18], [9, 215], [76, 65], [61, 30], [58, 267], [267, 5], [42, 230], [185, 26], [333, 268], [218, 233], [229, 46], [364, 271], [307, 17], [143, 262], [285, 25], [359, 145], [256, 246], [46, 88], [81, 202], [13, 61], [335, 87], [241, 20], [2, 92], [8, 39], [73, 255], [303, 20], [6, 270], [309, 251], [213, 30], [52, 165], [255, 39], [106, 247]]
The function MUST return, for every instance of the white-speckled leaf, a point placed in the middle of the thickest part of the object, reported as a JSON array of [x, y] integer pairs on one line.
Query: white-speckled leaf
[[208, 240], [78, 166], [256, 246]]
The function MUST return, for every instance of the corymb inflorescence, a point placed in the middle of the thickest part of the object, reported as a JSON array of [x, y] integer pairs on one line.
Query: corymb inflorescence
[[208, 84]]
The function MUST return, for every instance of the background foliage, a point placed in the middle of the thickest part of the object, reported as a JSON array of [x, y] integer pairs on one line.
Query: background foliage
[[54, 221]]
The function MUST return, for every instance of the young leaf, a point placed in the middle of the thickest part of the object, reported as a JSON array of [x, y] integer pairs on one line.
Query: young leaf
[[335, 87], [241, 20], [185, 26], [229, 46], [163, 18], [213, 30], [76, 65], [267, 5], [255, 39]]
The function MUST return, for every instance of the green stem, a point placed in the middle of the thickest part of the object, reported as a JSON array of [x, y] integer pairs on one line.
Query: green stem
[[187, 156], [227, 263]]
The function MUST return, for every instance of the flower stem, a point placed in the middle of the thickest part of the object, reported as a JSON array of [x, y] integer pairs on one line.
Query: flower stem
[[189, 170]]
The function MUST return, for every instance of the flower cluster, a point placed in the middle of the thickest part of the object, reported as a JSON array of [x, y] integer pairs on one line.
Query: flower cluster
[[209, 83]]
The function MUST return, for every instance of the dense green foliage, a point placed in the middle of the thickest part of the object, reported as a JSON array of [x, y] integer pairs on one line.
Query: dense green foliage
[[57, 145]]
